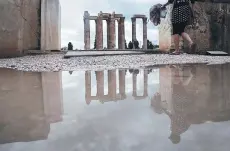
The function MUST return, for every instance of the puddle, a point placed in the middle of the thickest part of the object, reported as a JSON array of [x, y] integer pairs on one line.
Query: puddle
[[167, 108]]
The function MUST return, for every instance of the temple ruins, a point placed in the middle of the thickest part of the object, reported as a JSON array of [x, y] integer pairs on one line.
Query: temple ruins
[[111, 30]]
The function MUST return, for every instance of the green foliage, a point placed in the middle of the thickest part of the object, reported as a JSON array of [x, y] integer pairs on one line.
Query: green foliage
[[70, 46], [95, 44], [136, 44], [130, 45], [149, 45]]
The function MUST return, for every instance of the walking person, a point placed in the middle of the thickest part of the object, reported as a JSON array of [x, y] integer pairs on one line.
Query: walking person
[[182, 13]]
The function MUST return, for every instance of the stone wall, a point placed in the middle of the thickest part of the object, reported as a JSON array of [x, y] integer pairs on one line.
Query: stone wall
[[18, 26], [50, 25], [29, 25], [210, 32]]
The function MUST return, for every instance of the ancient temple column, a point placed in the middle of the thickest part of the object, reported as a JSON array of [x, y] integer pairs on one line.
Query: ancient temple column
[[86, 30], [121, 33], [112, 32], [100, 83], [145, 33], [112, 84], [134, 36], [99, 32], [108, 31], [122, 83], [88, 87]]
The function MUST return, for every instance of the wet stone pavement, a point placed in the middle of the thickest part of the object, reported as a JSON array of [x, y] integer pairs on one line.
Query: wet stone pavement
[[167, 108]]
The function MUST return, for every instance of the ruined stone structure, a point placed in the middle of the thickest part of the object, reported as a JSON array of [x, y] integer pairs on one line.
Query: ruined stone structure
[[29, 25], [112, 86], [134, 36], [111, 30], [211, 28], [30, 102]]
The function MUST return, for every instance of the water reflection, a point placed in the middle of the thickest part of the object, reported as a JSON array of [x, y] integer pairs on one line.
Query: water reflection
[[63, 111], [29, 103], [112, 85], [193, 95]]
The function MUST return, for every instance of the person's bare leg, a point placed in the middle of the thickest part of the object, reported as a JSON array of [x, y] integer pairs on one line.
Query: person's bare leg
[[187, 38], [176, 39], [192, 45]]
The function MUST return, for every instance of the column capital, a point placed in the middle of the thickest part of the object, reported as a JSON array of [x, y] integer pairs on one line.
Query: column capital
[[133, 19], [144, 20], [122, 18]]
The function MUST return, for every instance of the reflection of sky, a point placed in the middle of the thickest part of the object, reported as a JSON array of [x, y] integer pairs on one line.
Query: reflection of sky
[[126, 125]]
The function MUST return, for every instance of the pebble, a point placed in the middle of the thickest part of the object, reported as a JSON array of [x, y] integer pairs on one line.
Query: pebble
[[56, 62]]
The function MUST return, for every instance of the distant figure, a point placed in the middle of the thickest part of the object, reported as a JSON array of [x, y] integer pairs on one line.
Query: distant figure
[[70, 46], [182, 15]]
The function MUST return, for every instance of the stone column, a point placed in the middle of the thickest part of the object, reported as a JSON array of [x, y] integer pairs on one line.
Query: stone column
[[134, 37], [121, 33], [112, 33], [86, 30], [88, 87], [108, 35], [145, 33], [99, 32]]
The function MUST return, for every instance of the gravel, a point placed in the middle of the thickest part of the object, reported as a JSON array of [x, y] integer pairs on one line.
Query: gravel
[[56, 62]]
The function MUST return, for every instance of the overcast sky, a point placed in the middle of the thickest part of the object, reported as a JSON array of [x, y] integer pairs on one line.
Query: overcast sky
[[72, 18]]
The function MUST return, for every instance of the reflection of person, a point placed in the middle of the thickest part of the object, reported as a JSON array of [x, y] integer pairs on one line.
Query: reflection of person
[[181, 102], [180, 17]]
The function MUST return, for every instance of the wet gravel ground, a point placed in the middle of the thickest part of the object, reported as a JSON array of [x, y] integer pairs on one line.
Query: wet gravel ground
[[56, 62]]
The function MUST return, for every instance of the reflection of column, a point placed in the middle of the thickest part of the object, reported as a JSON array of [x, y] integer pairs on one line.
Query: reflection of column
[[88, 87], [122, 83], [112, 84], [86, 30], [121, 33], [134, 85], [145, 82], [100, 83], [145, 33], [134, 37], [52, 96], [112, 33], [99, 31]]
